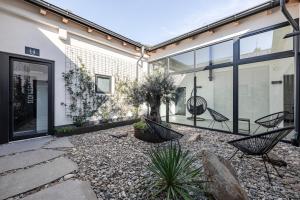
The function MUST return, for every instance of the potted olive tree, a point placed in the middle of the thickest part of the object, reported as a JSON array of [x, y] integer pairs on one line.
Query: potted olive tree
[[157, 88]]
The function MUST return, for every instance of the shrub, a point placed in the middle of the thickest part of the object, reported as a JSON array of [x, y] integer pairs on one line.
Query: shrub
[[174, 173], [140, 125], [66, 129], [84, 101]]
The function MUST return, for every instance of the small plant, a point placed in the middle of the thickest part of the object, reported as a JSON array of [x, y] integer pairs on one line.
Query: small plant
[[140, 125], [65, 130], [174, 173]]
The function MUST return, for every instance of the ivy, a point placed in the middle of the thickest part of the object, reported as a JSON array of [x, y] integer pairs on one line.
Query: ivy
[[84, 101]]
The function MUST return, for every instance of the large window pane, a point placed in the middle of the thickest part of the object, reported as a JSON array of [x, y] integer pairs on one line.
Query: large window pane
[[30, 98], [218, 94], [182, 62], [222, 53], [266, 88], [202, 57], [178, 112], [266, 43]]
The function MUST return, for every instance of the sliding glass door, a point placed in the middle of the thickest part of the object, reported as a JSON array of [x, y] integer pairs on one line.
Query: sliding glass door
[[29, 95]]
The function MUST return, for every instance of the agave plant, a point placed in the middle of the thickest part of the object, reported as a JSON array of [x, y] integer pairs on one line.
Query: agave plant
[[174, 173]]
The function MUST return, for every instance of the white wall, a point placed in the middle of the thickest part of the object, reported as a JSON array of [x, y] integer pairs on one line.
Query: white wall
[[22, 25]]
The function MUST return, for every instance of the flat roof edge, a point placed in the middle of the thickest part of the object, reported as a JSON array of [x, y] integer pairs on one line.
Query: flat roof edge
[[246, 13]]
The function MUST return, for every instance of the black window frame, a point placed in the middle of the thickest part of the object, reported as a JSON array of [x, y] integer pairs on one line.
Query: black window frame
[[236, 64], [103, 77]]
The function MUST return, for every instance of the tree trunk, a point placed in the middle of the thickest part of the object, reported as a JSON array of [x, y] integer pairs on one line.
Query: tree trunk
[[155, 112]]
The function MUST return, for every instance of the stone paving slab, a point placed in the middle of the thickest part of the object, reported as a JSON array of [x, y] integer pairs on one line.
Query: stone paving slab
[[24, 145], [62, 142], [31, 178], [25, 159], [68, 190]]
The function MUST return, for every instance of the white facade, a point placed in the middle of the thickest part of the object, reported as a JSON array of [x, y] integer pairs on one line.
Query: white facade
[[66, 42], [22, 25]]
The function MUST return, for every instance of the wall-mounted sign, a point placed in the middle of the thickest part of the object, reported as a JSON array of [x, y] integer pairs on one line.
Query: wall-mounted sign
[[32, 51], [276, 82]]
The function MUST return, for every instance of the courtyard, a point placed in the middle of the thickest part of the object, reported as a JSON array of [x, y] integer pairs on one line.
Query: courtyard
[[116, 168]]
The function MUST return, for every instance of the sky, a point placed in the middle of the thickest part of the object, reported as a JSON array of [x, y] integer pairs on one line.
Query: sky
[[153, 21]]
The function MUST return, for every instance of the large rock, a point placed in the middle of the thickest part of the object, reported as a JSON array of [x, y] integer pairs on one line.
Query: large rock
[[275, 160], [222, 179], [195, 137], [119, 134]]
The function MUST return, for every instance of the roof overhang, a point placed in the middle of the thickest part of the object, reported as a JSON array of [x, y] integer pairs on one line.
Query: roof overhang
[[78, 19], [233, 18]]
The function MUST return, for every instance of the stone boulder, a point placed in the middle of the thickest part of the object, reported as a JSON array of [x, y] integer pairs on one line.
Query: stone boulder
[[195, 137], [222, 179], [119, 134], [275, 160]]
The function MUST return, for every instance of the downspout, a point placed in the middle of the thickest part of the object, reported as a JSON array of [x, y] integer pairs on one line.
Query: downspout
[[296, 36], [138, 62]]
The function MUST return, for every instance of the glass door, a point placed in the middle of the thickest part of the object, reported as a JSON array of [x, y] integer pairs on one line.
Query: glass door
[[29, 94]]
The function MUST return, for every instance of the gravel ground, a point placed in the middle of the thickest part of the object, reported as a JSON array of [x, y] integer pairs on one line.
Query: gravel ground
[[116, 167]]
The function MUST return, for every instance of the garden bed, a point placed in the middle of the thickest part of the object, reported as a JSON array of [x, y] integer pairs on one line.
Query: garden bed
[[73, 130], [117, 168]]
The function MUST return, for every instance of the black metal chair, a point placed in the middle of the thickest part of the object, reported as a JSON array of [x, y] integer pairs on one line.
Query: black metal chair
[[200, 107], [260, 145], [271, 121], [162, 133], [217, 117]]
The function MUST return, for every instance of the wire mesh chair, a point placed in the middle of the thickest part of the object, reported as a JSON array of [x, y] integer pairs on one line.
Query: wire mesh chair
[[271, 121], [200, 108], [217, 117], [260, 145], [163, 133]]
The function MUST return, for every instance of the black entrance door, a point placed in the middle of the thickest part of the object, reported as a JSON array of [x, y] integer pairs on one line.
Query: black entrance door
[[29, 97], [26, 97]]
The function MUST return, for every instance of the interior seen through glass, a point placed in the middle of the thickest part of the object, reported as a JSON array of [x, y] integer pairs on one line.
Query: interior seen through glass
[[30, 98]]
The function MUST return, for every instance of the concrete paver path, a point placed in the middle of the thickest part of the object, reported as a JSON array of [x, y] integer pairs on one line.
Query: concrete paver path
[[29, 164], [25, 159], [59, 143], [68, 190], [24, 145], [31, 178]]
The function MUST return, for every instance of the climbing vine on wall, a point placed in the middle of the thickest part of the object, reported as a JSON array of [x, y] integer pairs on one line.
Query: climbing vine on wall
[[84, 101]]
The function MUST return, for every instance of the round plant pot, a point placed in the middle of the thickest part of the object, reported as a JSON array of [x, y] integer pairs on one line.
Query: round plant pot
[[145, 135]]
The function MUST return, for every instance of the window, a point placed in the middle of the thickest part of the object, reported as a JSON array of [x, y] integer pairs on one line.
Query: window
[[266, 88], [182, 62], [202, 57], [222, 53], [103, 84], [266, 43]]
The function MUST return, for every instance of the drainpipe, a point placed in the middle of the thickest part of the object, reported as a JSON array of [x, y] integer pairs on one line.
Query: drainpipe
[[137, 70], [138, 62], [296, 36]]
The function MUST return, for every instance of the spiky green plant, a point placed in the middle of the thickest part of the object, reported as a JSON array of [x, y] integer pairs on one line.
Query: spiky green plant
[[174, 173]]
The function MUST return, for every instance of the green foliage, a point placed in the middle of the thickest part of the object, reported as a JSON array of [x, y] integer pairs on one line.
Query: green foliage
[[117, 104], [132, 95], [157, 88], [140, 125], [84, 102], [66, 129], [174, 173]]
